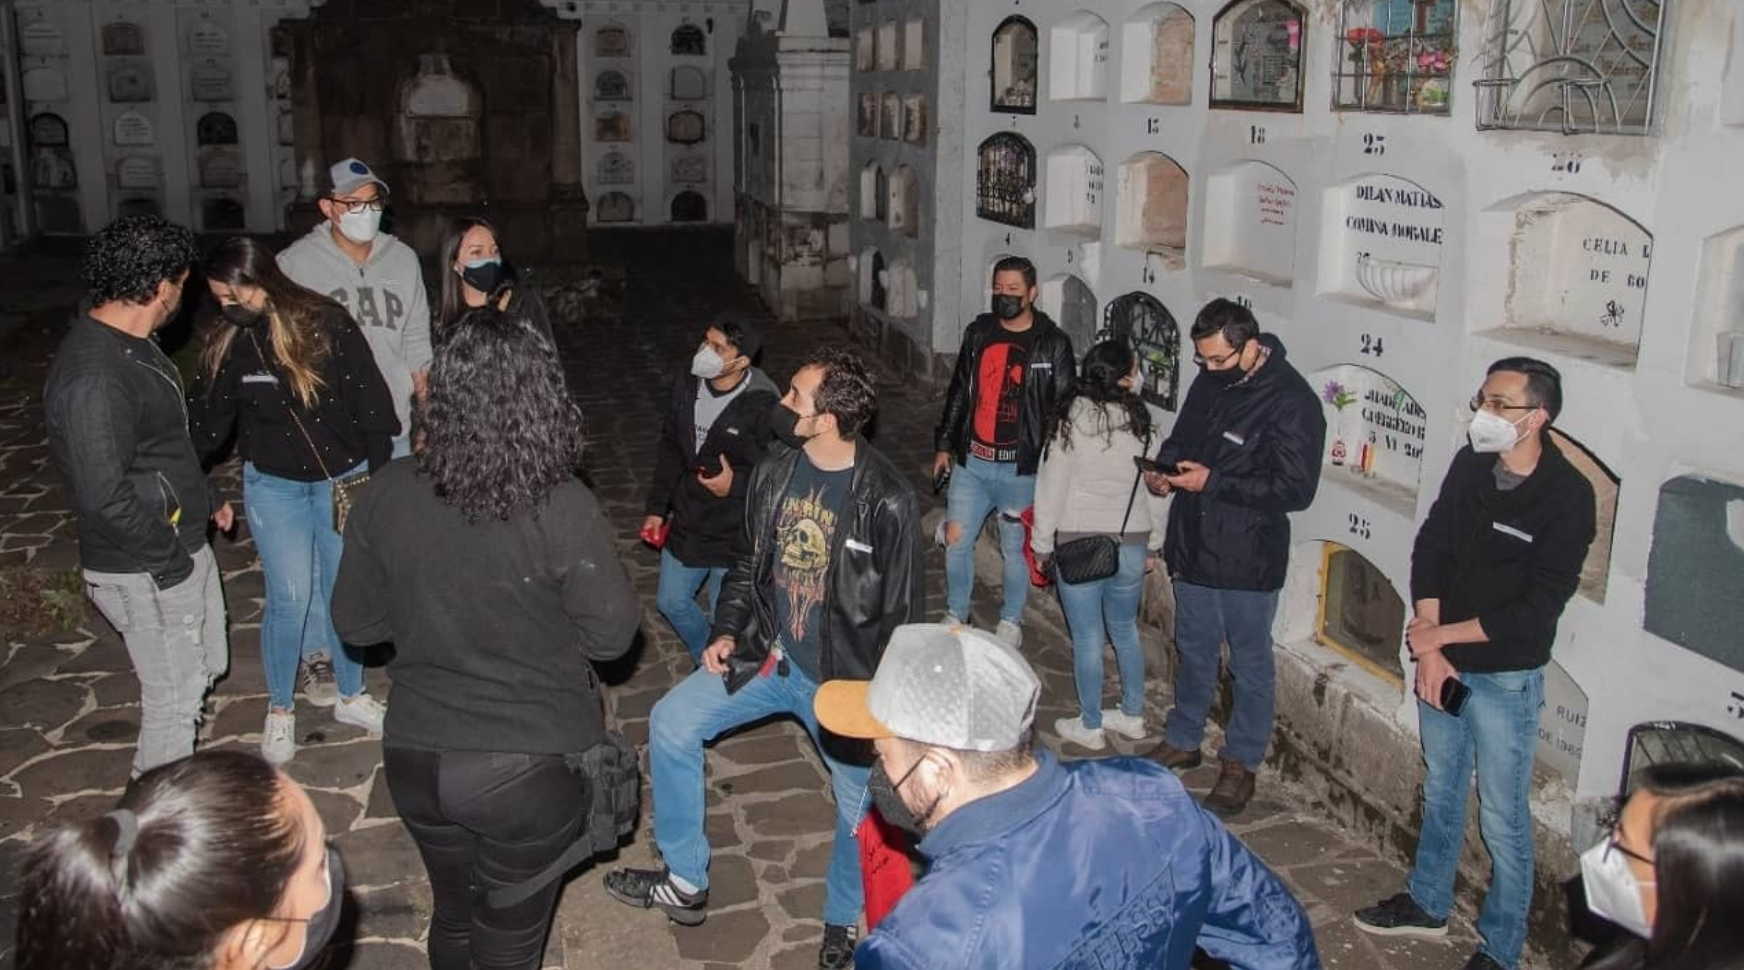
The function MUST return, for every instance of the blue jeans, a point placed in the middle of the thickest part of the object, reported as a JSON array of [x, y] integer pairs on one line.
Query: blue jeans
[[1204, 619], [697, 710], [402, 447], [1110, 603], [292, 525], [1498, 730], [977, 489], [676, 599]]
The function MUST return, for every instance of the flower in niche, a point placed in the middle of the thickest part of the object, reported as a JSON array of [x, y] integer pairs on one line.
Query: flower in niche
[[1337, 395]]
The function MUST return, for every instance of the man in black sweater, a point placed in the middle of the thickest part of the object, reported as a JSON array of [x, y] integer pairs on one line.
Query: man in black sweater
[[118, 431], [1494, 565]]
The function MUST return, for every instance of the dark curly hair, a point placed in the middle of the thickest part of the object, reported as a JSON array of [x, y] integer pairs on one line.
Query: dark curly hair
[[500, 430], [216, 844], [1098, 382], [846, 390], [129, 257]]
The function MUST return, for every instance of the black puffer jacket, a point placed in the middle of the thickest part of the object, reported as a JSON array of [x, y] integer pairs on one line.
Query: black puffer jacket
[[1051, 369], [704, 525], [1262, 439], [876, 577], [118, 430]]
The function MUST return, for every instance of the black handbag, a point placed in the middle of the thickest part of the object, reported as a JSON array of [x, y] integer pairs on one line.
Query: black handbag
[[1091, 558], [613, 775]]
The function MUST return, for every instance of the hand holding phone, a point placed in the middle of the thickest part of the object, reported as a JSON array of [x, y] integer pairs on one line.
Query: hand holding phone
[[1150, 467], [941, 480]]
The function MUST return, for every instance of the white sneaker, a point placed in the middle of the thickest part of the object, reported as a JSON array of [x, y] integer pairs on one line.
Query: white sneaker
[[1009, 633], [361, 711], [1072, 729], [319, 687], [1125, 725], [278, 739]]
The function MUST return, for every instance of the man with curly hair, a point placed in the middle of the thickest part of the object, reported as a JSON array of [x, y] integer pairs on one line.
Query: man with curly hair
[[827, 567], [118, 430]]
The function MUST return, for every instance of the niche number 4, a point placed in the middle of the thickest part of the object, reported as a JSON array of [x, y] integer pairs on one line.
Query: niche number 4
[[1372, 345], [1359, 526]]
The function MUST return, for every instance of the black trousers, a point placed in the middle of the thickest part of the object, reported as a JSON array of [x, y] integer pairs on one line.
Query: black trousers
[[484, 820]]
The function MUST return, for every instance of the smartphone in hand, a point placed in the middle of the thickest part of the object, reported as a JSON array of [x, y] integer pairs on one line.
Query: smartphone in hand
[[941, 480], [707, 469], [1149, 466]]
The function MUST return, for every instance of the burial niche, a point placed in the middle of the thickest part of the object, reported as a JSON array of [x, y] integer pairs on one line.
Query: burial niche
[[1362, 615], [1381, 245], [611, 41], [1151, 206], [865, 50], [123, 38], [690, 169], [914, 45], [889, 47], [914, 119], [689, 206], [1577, 279], [685, 127], [867, 126], [1156, 63], [616, 169], [1074, 191], [1250, 222], [688, 41], [1072, 305], [1256, 56], [689, 84], [439, 116], [1393, 56], [1695, 569], [1144, 323], [1596, 568], [611, 126], [904, 207], [890, 117], [215, 128], [611, 86], [1375, 433], [1014, 67], [1079, 67], [1005, 180], [1716, 358], [871, 188], [615, 207]]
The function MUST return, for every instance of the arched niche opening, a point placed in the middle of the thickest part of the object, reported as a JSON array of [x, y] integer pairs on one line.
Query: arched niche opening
[[865, 50], [611, 86], [903, 297], [689, 206], [215, 128], [615, 168], [1074, 191], [615, 207], [867, 118], [1014, 67], [889, 46], [914, 45], [685, 127], [874, 280], [1151, 206], [1577, 279], [1078, 65], [1381, 245], [689, 84], [1147, 325], [1361, 614], [890, 116], [1005, 179], [612, 40], [1375, 433], [1596, 568], [1156, 56], [611, 126], [1716, 357], [872, 185], [1695, 568], [1250, 222], [1256, 55], [904, 205], [914, 119], [688, 40], [122, 38], [1072, 305]]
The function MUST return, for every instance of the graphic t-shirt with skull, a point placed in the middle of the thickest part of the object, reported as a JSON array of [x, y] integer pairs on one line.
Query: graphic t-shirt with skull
[[805, 529]]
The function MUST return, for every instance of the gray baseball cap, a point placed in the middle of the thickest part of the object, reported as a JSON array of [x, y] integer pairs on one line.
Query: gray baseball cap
[[951, 686], [349, 175]]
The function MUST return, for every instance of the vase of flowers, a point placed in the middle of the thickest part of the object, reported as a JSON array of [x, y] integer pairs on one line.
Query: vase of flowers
[[1340, 397]]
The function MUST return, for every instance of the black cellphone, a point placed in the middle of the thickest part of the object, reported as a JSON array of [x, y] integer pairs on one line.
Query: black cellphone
[[1454, 694], [707, 469], [1148, 465], [941, 480]]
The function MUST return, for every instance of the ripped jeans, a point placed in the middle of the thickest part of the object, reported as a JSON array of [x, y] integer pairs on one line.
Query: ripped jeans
[[978, 488]]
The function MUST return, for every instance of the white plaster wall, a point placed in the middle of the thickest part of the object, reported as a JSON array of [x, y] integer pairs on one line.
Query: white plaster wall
[[1648, 423]]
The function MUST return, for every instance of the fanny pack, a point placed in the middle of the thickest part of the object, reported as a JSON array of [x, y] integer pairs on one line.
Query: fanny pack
[[614, 781]]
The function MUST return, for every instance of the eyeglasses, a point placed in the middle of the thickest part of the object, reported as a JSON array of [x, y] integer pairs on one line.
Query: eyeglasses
[[354, 206], [1615, 845], [1221, 359], [1496, 405]]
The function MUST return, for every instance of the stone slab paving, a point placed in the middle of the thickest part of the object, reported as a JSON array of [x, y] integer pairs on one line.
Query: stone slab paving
[[69, 708]]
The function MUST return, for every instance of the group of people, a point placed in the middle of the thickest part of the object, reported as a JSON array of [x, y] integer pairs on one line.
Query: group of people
[[477, 552]]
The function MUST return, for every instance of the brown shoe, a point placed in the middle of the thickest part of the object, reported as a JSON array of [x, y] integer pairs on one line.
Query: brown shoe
[[1173, 758], [1235, 785]]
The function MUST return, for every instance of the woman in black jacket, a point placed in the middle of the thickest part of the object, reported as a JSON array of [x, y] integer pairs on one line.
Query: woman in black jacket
[[289, 372], [495, 574]]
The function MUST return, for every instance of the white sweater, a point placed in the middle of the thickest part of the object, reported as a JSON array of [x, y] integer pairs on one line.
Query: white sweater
[[1082, 490]]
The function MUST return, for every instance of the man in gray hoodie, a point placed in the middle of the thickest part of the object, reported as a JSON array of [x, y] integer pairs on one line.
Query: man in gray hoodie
[[374, 276]]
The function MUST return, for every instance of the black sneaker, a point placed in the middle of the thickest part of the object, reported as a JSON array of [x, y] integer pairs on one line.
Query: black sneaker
[[648, 888], [837, 953], [1399, 916]]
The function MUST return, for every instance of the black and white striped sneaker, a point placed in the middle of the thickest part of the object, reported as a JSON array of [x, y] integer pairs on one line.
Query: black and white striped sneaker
[[653, 888]]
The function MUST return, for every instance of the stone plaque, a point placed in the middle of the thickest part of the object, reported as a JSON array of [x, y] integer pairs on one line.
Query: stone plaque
[[1562, 726], [220, 169], [41, 38], [52, 169], [287, 128], [44, 84], [135, 129], [136, 172], [123, 38], [690, 169], [615, 169], [130, 81], [211, 82], [207, 39], [685, 127], [48, 130], [612, 126]]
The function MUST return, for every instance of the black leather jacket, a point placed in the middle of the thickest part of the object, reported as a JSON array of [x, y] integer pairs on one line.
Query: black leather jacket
[[876, 575], [1051, 369], [118, 430]]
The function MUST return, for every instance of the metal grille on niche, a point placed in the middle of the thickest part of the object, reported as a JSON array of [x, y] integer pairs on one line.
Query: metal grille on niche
[[1014, 66], [611, 86], [1142, 320], [1005, 180]]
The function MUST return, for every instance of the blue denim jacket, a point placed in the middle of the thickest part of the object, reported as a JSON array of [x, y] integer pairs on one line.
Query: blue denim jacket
[[1096, 864]]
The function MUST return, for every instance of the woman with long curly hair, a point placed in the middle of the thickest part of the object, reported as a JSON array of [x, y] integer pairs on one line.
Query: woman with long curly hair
[[289, 372], [494, 572], [1088, 486], [214, 862], [1671, 871]]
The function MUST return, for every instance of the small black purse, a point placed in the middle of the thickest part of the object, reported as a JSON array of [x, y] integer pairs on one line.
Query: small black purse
[[1091, 558]]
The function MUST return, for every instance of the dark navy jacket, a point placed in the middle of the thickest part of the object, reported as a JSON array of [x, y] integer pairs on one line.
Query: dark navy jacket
[[1098, 864]]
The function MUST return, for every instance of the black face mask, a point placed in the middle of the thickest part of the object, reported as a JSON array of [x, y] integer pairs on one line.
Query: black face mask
[[785, 424], [886, 795], [242, 317], [1007, 307], [320, 926], [485, 277]]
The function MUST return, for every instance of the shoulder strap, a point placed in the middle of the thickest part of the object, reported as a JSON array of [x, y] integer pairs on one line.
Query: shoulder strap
[[1137, 477], [291, 409]]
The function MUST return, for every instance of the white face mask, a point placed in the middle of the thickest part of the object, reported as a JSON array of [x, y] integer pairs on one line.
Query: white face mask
[[360, 226], [1492, 433], [1613, 891], [707, 364]]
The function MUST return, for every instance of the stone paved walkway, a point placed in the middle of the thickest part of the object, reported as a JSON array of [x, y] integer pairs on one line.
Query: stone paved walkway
[[68, 704]]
